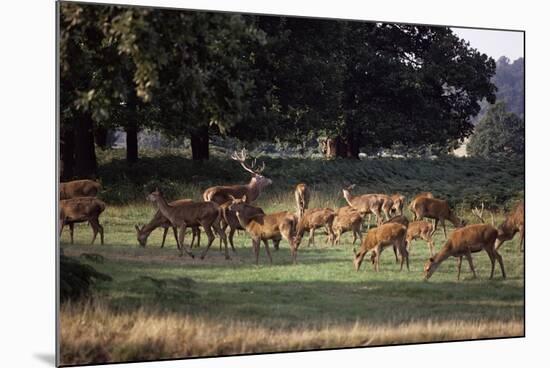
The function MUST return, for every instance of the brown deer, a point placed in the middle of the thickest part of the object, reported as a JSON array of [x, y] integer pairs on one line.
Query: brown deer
[[263, 227], [437, 209], [205, 214], [397, 220], [229, 219], [222, 194], [398, 203], [159, 220], [413, 201], [463, 242], [513, 223], [78, 188], [313, 219], [301, 195], [391, 234], [81, 209], [420, 230], [346, 219], [365, 204]]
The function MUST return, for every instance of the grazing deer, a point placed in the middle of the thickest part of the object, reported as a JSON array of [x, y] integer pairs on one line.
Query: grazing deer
[[513, 223], [398, 203], [222, 194], [229, 219], [81, 209], [346, 219], [365, 204], [463, 242], [205, 214], [301, 194], [391, 234], [420, 230], [413, 201], [263, 227], [160, 221], [313, 219], [78, 188], [437, 209]]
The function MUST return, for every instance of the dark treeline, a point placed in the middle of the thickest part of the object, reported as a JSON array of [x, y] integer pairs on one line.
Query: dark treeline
[[198, 74]]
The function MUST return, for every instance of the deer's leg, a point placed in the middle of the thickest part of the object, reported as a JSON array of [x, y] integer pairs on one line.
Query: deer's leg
[[444, 229], [71, 232], [266, 244], [310, 239], [175, 230], [469, 258], [100, 231], [276, 242], [164, 237], [256, 248], [194, 234], [223, 236], [459, 265], [490, 253], [210, 236], [231, 234], [395, 253], [354, 237], [181, 239], [500, 262], [378, 251], [435, 227], [95, 229]]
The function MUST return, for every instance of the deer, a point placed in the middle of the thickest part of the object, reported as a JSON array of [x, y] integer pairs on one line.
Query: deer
[[398, 203], [78, 188], [437, 209], [513, 223], [81, 209], [413, 201], [159, 220], [398, 220], [383, 236], [205, 214], [229, 219], [263, 227], [365, 204], [346, 219], [313, 219], [420, 230], [301, 195], [462, 243], [223, 194]]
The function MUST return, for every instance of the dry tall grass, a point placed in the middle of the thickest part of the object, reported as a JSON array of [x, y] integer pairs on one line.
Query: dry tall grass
[[93, 333]]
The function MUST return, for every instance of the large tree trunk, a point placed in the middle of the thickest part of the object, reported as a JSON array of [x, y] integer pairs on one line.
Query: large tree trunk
[[100, 135], [84, 149], [66, 154], [341, 147], [199, 143]]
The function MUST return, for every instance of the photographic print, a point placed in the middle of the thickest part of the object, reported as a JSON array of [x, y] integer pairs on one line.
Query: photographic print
[[235, 183]]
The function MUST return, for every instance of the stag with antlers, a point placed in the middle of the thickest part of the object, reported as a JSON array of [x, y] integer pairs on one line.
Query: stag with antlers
[[223, 194]]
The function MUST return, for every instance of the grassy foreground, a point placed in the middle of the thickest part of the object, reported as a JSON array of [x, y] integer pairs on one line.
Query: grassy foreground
[[160, 305]]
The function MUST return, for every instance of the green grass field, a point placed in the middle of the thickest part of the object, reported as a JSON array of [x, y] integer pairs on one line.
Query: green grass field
[[319, 303]]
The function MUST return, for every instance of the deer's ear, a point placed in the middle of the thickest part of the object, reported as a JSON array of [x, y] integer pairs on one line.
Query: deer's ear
[[244, 198]]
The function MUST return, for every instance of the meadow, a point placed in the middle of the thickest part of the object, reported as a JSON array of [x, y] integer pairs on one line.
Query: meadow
[[160, 305]]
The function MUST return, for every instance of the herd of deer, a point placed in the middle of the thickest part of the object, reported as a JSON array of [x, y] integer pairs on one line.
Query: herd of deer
[[231, 206]]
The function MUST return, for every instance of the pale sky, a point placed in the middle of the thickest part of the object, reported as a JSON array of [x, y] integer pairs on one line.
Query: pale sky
[[494, 43]]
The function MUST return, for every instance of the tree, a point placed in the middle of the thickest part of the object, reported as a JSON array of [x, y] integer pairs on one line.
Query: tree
[[500, 134]]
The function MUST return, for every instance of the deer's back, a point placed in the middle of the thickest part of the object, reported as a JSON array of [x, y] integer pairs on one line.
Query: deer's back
[[432, 207], [222, 194], [475, 237], [80, 209], [78, 188], [384, 234], [419, 227]]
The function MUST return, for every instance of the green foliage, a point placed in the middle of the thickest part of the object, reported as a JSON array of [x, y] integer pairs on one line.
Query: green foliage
[[76, 278], [500, 134]]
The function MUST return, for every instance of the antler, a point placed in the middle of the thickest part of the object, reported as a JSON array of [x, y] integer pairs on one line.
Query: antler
[[241, 158], [479, 213]]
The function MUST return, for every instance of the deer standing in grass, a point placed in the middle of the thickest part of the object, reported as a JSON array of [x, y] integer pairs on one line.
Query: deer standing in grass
[[223, 194], [420, 230], [205, 214], [413, 202], [78, 188], [398, 220], [229, 219], [462, 243], [398, 201], [346, 219], [383, 236], [313, 219], [301, 195], [81, 209], [159, 220], [366, 204], [263, 227], [437, 209], [513, 223]]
